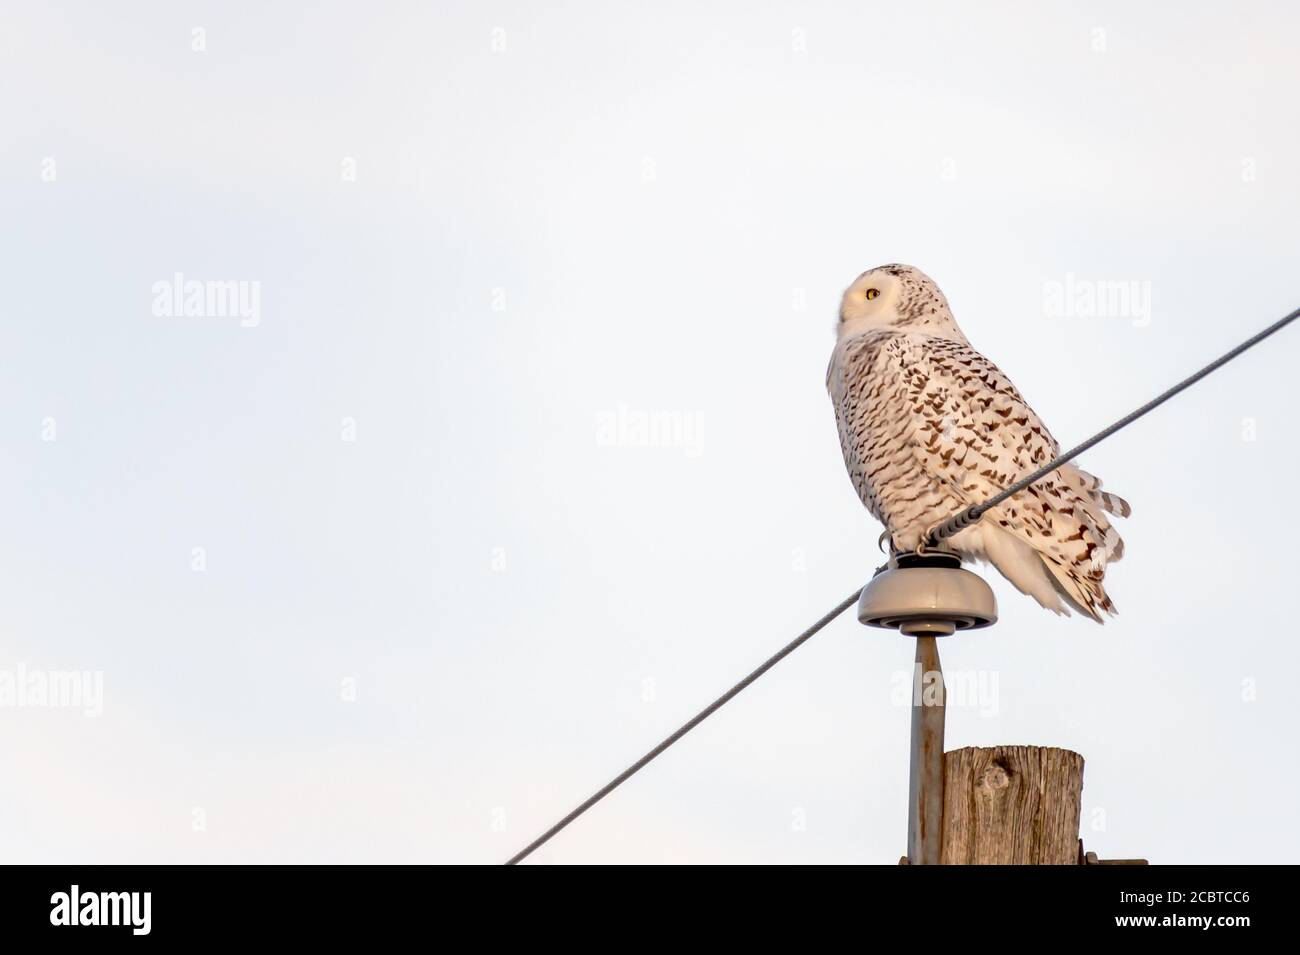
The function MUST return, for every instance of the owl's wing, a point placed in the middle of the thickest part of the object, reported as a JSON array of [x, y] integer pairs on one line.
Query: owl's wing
[[972, 430]]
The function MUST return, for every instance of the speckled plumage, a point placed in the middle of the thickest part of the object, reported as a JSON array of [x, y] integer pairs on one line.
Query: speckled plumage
[[929, 426]]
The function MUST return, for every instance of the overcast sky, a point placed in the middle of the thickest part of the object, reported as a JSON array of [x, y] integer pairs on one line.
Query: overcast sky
[[507, 447]]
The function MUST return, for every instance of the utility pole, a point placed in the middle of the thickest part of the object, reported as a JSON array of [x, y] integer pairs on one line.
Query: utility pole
[[973, 806]]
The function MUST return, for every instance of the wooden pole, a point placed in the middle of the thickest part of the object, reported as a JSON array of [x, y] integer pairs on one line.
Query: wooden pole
[[925, 778], [1011, 805]]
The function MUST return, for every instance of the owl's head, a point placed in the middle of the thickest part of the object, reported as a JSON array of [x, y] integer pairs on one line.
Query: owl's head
[[895, 296]]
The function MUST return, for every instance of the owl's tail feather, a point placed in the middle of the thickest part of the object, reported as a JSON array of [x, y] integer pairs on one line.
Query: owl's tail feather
[[1060, 581], [1114, 504], [1090, 484], [1077, 565], [1016, 560], [1081, 589]]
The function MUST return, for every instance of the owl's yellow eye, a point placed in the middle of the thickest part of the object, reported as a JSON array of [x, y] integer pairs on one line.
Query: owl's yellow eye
[[872, 293]]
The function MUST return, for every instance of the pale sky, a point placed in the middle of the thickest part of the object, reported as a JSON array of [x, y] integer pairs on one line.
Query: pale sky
[[386, 571]]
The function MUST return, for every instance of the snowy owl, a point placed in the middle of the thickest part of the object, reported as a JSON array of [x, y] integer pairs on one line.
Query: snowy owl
[[929, 427]]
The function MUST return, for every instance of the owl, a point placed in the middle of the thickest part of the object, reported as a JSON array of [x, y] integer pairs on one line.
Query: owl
[[929, 427]]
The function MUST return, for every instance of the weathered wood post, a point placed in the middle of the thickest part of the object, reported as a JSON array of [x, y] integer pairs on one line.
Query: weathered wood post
[[1011, 805]]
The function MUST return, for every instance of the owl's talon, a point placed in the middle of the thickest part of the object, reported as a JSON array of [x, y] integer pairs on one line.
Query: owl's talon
[[921, 548]]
